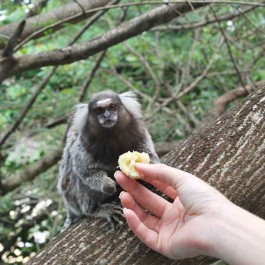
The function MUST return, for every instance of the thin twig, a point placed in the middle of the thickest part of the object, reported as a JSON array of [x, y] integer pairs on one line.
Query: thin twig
[[205, 22], [178, 94], [83, 10], [141, 94], [150, 72], [56, 122], [93, 19], [187, 113], [76, 16], [27, 108], [91, 76], [9, 49], [240, 78], [129, 85], [258, 29], [188, 66]]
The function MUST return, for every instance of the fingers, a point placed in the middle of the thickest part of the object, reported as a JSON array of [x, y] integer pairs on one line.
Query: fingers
[[145, 234], [163, 187], [152, 222], [165, 174], [144, 197]]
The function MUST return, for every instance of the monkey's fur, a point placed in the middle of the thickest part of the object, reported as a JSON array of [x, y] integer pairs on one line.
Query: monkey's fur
[[100, 131]]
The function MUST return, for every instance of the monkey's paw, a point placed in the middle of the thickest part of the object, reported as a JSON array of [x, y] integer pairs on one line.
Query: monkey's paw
[[108, 186], [113, 213]]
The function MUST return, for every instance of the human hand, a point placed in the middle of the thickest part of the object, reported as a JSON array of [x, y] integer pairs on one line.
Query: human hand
[[182, 229]]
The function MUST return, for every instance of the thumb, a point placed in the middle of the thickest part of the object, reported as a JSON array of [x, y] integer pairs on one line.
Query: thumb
[[169, 175]]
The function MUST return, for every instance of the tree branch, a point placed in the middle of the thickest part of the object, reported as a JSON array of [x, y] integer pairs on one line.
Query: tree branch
[[205, 22], [27, 107], [91, 76], [178, 94], [37, 7], [221, 102], [36, 23], [8, 51], [30, 172], [240, 78], [79, 52]]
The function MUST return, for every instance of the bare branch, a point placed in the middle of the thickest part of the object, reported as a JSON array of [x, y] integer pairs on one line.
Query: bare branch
[[91, 76], [37, 7], [34, 24], [27, 107], [194, 25], [180, 94], [240, 78], [146, 97], [150, 72], [82, 8], [31, 171], [14, 39], [221, 102], [78, 52], [56, 122]]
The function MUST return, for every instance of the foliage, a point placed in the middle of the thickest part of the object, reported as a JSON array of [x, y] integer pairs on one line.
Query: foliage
[[177, 59]]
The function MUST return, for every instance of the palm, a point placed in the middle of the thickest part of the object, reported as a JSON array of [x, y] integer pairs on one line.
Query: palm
[[179, 231]]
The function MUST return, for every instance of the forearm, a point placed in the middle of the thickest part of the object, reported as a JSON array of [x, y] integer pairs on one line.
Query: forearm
[[240, 238]]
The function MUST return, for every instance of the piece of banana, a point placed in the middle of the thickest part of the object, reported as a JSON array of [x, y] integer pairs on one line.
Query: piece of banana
[[127, 163]]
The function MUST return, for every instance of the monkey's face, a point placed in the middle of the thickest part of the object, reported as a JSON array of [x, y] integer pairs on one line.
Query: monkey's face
[[106, 113]]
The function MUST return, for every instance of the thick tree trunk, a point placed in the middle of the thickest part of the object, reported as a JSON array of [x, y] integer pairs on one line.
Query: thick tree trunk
[[229, 154]]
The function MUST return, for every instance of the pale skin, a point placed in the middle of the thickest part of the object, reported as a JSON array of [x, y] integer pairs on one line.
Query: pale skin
[[199, 221]]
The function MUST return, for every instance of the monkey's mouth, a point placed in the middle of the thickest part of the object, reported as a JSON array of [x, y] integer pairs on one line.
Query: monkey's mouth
[[108, 123]]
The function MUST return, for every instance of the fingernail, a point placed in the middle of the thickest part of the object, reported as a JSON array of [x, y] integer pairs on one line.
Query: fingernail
[[140, 165], [124, 209], [116, 173], [121, 194]]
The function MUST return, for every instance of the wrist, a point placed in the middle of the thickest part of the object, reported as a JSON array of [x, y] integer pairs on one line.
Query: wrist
[[239, 237]]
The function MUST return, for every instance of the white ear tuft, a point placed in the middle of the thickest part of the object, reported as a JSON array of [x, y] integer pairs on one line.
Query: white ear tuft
[[80, 116], [130, 102]]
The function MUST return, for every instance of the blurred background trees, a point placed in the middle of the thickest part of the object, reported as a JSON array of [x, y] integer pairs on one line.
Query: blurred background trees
[[186, 72]]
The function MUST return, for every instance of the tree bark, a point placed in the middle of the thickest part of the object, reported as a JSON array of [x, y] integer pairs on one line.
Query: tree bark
[[39, 21], [82, 51], [228, 153]]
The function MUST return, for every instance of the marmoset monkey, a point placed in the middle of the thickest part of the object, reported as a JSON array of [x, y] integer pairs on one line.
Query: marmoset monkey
[[108, 126]]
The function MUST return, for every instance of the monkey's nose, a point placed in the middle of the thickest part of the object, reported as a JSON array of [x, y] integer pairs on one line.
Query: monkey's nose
[[106, 114]]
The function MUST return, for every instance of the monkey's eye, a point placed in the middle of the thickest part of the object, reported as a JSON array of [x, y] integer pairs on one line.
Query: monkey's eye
[[99, 110], [112, 107]]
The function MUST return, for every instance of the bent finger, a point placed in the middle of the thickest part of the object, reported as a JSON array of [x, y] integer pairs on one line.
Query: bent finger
[[152, 222], [145, 234], [143, 196]]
